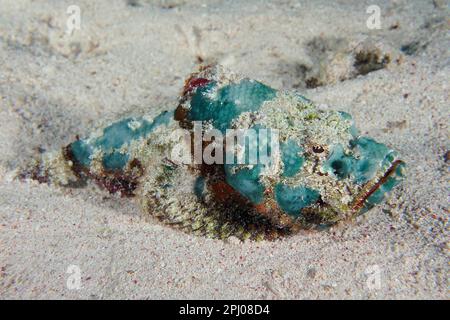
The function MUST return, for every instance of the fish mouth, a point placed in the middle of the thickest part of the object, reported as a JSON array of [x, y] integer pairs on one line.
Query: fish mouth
[[377, 191]]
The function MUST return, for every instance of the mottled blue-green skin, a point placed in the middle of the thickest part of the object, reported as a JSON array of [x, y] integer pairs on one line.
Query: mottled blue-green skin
[[292, 199], [293, 160], [230, 101], [379, 195], [222, 107], [364, 158], [373, 156], [226, 105], [114, 137], [246, 180]]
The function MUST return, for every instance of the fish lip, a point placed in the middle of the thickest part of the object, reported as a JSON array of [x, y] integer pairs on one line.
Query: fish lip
[[359, 202]]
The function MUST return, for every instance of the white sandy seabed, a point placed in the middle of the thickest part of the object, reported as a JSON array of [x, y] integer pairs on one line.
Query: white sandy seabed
[[132, 56]]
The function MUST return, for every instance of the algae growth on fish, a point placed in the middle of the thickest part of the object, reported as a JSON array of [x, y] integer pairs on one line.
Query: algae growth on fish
[[184, 169]]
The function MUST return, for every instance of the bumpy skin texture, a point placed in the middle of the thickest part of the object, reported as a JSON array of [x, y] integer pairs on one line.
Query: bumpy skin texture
[[325, 171], [322, 172]]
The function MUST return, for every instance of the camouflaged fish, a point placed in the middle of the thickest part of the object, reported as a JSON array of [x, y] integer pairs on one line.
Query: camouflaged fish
[[321, 171]]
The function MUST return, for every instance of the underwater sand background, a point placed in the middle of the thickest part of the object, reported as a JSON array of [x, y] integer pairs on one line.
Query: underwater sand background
[[133, 56]]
